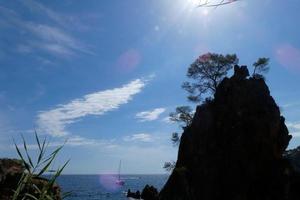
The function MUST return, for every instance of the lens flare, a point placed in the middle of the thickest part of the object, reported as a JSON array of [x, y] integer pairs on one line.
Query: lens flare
[[288, 56], [108, 181], [129, 60]]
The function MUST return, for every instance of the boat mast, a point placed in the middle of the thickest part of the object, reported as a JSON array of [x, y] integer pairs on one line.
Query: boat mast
[[120, 170]]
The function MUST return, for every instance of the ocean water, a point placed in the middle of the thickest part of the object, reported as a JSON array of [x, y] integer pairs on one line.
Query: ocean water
[[103, 187]]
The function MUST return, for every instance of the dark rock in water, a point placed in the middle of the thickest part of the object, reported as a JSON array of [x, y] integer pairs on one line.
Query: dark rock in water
[[234, 147], [149, 193], [11, 171], [135, 195]]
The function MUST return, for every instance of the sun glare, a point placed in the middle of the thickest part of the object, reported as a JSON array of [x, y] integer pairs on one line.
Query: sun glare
[[191, 4], [195, 2]]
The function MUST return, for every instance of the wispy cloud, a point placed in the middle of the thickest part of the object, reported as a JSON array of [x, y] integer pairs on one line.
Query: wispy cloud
[[150, 115], [55, 40], [48, 38], [21, 48], [291, 105], [294, 128], [74, 141], [56, 120], [38, 7], [67, 21], [141, 137], [167, 120], [82, 141]]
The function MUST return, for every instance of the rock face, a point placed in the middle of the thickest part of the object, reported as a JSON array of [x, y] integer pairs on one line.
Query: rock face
[[293, 156], [234, 146], [11, 171]]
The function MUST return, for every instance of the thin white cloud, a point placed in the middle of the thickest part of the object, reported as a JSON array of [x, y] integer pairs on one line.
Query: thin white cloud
[[36, 6], [55, 121], [55, 39], [150, 115], [295, 134], [51, 39], [291, 105], [24, 49], [167, 120], [69, 21], [294, 128], [141, 137], [73, 141]]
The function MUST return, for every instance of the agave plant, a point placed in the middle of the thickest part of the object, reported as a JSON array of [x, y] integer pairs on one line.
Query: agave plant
[[32, 185]]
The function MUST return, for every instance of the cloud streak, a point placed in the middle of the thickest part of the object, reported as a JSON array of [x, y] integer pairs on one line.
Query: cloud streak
[[55, 121], [35, 6], [294, 128], [50, 39], [55, 40], [150, 115], [74, 141], [141, 137]]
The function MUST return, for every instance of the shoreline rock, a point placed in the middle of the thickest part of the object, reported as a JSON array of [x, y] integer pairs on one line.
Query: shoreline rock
[[11, 171]]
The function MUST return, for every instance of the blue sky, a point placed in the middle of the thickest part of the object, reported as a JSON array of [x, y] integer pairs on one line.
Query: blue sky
[[105, 75]]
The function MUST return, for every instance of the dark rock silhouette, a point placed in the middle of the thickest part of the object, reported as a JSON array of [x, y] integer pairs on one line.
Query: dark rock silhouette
[[135, 195], [293, 156], [234, 147], [240, 73], [11, 171], [149, 193]]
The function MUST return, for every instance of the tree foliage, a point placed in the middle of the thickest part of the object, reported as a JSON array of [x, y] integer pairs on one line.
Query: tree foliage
[[207, 71], [169, 166], [182, 115], [175, 138], [260, 67]]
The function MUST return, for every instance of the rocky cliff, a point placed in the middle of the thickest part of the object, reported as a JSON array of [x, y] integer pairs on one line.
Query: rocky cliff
[[234, 147], [11, 171]]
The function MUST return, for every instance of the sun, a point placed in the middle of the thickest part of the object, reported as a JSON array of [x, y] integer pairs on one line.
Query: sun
[[192, 2], [196, 2]]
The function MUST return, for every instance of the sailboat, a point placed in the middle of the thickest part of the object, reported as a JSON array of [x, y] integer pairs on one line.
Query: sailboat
[[119, 181]]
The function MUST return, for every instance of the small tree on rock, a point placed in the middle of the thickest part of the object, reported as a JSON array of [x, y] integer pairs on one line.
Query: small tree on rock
[[208, 71], [183, 115], [260, 67]]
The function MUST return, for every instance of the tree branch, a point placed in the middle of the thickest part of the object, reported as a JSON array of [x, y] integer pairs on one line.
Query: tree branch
[[206, 4]]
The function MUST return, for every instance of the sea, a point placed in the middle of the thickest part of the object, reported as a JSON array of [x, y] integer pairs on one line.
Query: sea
[[104, 187]]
